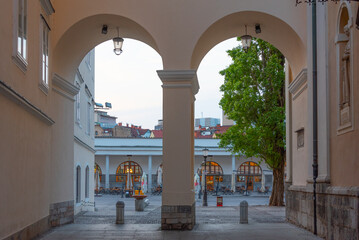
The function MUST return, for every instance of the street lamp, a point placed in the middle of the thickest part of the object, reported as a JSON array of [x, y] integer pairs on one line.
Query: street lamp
[[246, 41], [118, 42], [205, 155]]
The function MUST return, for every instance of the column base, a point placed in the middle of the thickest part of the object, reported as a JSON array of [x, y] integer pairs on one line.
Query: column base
[[176, 217]]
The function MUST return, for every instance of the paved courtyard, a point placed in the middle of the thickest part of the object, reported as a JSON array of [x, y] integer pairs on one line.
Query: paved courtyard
[[211, 222]]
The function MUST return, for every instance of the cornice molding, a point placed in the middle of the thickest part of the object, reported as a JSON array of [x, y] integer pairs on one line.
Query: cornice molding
[[12, 95], [179, 79], [66, 87], [82, 143], [298, 82], [47, 6]]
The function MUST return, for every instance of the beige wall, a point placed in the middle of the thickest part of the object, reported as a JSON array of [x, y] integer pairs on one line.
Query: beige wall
[[344, 149]]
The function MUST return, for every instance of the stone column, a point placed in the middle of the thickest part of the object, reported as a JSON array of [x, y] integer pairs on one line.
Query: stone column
[[233, 163], [107, 179], [149, 184], [178, 198]]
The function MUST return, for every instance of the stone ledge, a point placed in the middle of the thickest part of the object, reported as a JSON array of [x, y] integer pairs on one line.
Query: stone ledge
[[325, 188], [32, 231], [180, 217]]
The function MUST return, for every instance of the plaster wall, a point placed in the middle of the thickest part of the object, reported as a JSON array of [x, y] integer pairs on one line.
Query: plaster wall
[[344, 149], [25, 171], [84, 158], [299, 121]]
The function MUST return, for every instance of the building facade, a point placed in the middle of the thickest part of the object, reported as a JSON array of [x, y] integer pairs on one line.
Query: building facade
[[206, 122], [43, 43], [84, 152], [115, 155]]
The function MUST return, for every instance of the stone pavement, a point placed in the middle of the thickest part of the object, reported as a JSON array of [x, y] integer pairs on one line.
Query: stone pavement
[[211, 222]]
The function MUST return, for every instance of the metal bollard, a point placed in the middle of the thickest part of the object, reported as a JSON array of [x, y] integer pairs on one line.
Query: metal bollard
[[243, 212], [120, 212]]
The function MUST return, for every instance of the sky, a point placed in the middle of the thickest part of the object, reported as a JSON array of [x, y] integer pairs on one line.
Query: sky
[[130, 82]]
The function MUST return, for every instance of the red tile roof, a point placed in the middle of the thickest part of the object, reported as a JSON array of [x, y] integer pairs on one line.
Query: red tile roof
[[157, 133]]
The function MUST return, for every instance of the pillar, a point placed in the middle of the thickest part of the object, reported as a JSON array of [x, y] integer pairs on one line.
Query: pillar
[[178, 197], [149, 173], [107, 179], [233, 163]]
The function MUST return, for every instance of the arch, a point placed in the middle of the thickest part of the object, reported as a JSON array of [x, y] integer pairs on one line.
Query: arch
[[345, 65], [212, 168], [78, 184], [274, 30], [344, 16], [250, 174], [85, 34], [87, 182], [250, 168], [134, 168]]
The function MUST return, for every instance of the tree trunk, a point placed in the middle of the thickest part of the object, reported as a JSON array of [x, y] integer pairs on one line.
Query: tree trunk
[[276, 199]]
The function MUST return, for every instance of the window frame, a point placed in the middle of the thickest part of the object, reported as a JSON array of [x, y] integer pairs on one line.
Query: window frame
[[44, 47], [20, 57]]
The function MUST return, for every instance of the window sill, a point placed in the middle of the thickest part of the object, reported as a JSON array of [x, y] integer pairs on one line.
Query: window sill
[[345, 128], [44, 87], [20, 62]]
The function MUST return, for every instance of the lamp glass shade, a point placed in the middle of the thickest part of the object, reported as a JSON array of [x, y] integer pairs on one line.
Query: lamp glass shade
[[117, 43], [246, 42], [205, 152]]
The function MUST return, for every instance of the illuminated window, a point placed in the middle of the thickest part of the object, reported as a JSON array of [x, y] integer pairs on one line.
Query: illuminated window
[[132, 167], [250, 168], [212, 168], [98, 169]]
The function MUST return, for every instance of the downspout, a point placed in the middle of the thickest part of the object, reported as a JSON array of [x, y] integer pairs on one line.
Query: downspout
[[315, 111]]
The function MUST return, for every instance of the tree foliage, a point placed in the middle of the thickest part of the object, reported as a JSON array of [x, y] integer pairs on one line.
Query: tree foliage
[[254, 97]]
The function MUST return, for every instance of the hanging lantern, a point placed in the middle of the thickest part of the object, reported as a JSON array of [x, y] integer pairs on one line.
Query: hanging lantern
[[118, 42], [246, 41]]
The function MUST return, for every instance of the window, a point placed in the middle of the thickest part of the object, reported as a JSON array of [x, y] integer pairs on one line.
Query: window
[[300, 138], [20, 34], [78, 184], [88, 119], [45, 52], [212, 168], [22, 28], [78, 105], [132, 167], [87, 178]]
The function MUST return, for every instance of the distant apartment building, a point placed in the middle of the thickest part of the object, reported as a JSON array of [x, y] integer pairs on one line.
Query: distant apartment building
[[207, 122], [159, 125], [104, 120]]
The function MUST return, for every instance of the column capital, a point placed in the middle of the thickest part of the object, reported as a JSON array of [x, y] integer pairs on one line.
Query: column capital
[[179, 79]]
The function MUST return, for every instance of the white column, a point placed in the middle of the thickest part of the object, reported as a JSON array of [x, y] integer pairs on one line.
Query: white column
[[107, 179], [179, 88], [233, 163], [149, 173]]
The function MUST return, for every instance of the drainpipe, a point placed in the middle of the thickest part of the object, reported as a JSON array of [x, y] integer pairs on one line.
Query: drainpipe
[[315, 111]]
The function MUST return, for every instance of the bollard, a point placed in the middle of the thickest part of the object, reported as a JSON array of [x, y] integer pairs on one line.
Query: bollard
[[243, 212], [120, 212]]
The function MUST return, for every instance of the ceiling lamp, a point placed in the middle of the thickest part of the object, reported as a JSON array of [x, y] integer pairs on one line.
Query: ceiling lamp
[[246, 41], [118, 42]]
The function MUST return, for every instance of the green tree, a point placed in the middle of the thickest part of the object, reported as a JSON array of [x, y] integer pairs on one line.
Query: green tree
[[254, 97]]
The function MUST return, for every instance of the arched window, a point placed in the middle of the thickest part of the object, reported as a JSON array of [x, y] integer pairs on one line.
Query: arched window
[[129, 166], [87, 182], [249, 172], [78, 184], [98, 169], [214, 173], [212, 168]]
